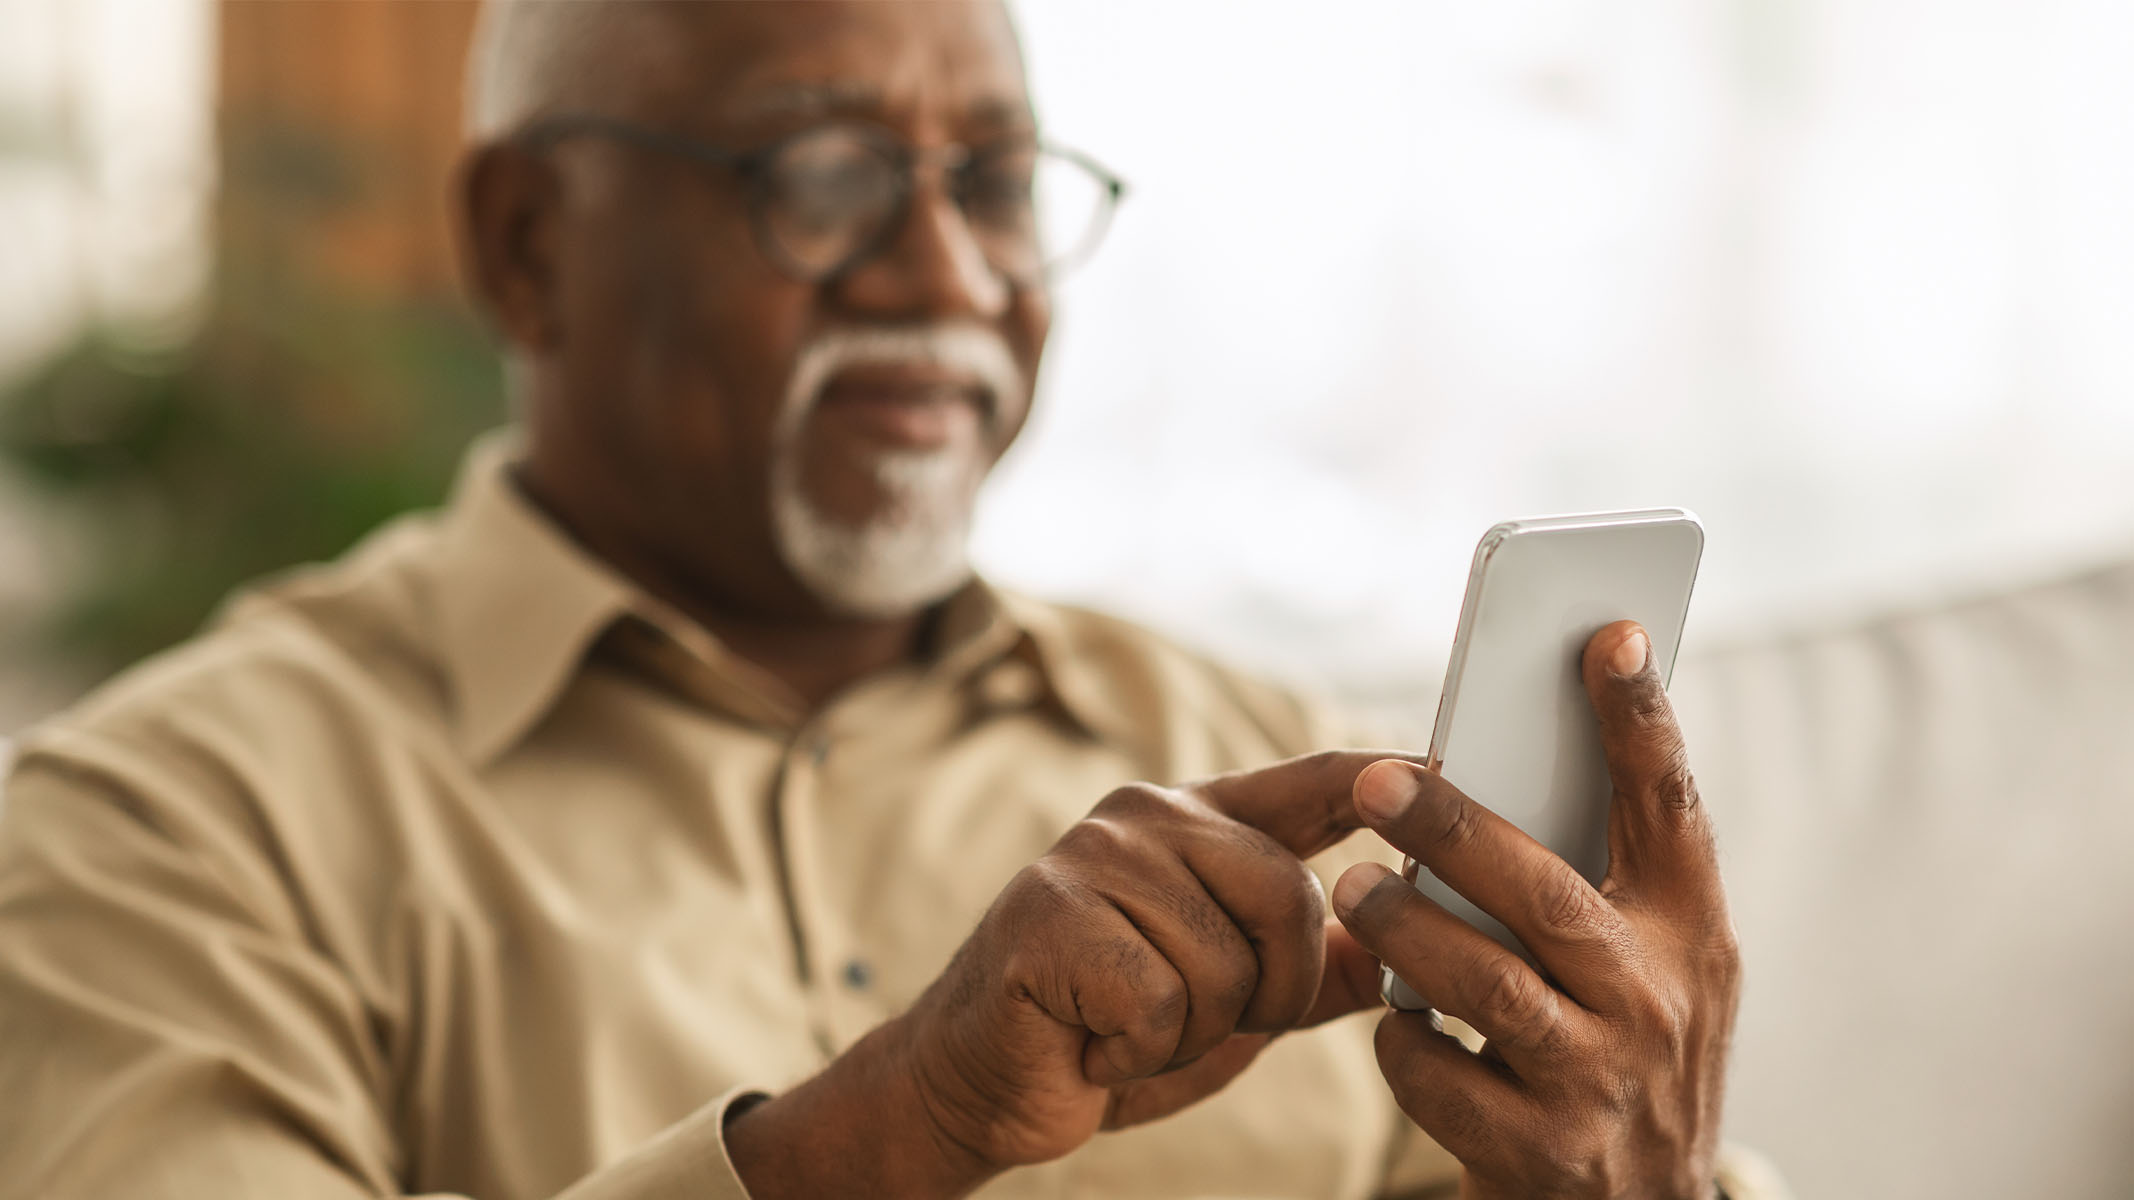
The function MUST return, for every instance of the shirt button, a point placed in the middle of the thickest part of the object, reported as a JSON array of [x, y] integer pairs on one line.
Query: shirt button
[[858, 975]]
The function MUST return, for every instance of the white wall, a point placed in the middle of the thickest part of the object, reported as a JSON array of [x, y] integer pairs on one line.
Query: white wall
[[106, 178], [106, 169], [1854, 279]]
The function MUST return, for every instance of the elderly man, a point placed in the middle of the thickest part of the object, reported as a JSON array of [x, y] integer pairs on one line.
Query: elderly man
[[675, 816]]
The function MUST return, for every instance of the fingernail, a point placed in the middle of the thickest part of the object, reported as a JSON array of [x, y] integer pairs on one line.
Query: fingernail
[[1631, 655], [1350, 889], [1385, 791]]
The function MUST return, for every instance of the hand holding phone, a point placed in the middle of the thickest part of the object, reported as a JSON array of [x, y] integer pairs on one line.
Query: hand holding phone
[[1607, 1004], [1515, 730]]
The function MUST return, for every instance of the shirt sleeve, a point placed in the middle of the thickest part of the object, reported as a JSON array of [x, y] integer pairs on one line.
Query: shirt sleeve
[[686, 1162], [165, 1034]]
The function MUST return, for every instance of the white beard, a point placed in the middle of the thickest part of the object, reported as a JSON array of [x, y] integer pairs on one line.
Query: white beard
[[914, 551]]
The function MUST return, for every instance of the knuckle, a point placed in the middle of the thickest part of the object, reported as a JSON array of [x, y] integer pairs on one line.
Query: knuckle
[[1134, 799], [1043, 890], [1515, 1002], [1163, 1000], [1234, 985], [1716, 942], [1620, 1091], [1648, 707], [1137, 1054], [1242, 842], [1024, 973], [1283, 898], [1675, 788], [1725, 953], [1201, 916], [1719, 965], [1101, 838], [1299, 901], [1457, 824], [1566, 902], [1132, 1058], [1663, 1014]]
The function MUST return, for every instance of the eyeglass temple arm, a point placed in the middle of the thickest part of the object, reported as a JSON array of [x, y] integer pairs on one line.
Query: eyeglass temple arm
[[1104, 175], [550, 130]]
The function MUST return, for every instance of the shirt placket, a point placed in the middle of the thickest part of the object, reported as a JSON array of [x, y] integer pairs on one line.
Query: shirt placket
[[828, 774], [796, 812]]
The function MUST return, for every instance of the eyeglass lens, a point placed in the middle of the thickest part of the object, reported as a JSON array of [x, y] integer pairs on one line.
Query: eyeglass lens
[[830, 196]]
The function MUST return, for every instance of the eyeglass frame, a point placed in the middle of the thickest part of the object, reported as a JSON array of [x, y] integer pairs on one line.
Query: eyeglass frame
[[749, 167]]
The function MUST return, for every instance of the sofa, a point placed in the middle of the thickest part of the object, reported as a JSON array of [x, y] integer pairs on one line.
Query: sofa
[[1927, 825]]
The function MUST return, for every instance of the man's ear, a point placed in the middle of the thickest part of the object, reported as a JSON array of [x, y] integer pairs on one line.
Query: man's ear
[[510, 209]]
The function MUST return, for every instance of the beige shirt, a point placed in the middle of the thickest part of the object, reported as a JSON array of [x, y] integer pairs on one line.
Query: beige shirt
[[461, 866]]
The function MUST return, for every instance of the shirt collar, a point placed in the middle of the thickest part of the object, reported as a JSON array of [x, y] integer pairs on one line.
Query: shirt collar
[[1088, 695], [521, 604]]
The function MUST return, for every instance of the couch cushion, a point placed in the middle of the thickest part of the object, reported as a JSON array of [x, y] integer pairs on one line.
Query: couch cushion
[[1928, 828]]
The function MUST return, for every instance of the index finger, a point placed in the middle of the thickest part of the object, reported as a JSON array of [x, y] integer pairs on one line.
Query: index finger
[[1305, 803], [1658, 830]]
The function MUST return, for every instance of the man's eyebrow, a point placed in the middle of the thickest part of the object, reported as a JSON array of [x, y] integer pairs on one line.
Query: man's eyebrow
[[812, 99], [1002, 110], [843, 98]]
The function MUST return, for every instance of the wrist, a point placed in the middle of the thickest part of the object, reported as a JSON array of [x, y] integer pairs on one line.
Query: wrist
[[860, 1127]]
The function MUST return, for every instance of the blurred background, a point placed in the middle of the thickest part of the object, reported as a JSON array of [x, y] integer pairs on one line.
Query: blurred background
[[230, 337], [1854, 279]]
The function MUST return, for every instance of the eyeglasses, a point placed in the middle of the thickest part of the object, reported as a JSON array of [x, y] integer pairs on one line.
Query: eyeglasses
[[825, 199]]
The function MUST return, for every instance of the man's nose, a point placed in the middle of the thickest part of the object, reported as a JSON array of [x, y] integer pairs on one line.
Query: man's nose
[[933, 269]]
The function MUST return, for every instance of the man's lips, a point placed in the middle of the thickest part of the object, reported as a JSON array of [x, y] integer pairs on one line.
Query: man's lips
[[909, 406]]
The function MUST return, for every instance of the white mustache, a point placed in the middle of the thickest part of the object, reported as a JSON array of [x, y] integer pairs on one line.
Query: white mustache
[[965, 348]]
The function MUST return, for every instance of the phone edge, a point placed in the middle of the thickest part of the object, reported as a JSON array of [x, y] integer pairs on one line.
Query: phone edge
[[1448, 694]]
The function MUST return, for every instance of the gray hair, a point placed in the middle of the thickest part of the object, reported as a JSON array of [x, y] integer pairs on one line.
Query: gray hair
[[534, 56]]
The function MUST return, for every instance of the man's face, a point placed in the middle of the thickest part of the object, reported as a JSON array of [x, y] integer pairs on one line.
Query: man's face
[[771, 446]]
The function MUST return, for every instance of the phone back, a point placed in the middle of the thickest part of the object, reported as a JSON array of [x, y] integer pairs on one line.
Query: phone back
[[1515, 730]]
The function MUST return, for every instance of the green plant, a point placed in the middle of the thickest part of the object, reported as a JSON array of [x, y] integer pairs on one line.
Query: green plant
[[293, 423]]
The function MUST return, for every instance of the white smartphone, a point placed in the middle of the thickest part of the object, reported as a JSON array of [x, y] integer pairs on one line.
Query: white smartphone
[[1515, 731]]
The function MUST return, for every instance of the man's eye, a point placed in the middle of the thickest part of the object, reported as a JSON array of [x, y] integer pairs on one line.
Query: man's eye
[[825, 193], [999, 192]]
